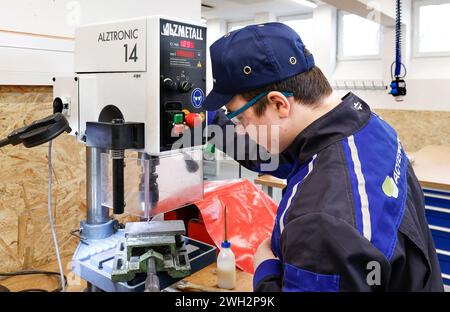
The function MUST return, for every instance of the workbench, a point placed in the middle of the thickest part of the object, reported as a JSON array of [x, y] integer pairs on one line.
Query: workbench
[[206, 280], [269, 182], [203, 280]]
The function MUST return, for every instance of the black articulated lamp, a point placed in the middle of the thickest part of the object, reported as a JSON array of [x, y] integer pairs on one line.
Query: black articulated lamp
[[39, 132], [398, 84]]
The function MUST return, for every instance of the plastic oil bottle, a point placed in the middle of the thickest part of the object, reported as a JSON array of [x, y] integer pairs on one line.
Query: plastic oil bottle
[[226, 263]]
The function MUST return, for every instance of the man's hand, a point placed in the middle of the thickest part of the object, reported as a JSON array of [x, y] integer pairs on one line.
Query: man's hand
[[263, 252]]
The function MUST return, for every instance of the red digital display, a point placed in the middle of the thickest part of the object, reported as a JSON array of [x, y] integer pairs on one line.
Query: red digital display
[[184, 53], [187, 44]]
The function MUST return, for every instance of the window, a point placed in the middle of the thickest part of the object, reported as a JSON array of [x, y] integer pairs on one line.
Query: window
[[238, 25], [433, 28], [303, 25], [358, 38]]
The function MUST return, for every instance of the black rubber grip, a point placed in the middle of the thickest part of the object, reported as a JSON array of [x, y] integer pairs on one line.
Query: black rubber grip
[[118, 186]]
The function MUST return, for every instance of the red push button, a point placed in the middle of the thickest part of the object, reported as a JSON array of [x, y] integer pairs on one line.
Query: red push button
[[193, 120]]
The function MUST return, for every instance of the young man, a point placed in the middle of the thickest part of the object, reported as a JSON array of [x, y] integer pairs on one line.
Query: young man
[[352, 214]]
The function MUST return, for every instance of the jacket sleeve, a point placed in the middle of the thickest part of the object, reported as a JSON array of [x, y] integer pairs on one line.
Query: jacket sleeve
[[268, 276], [253, 155], [324, 254]]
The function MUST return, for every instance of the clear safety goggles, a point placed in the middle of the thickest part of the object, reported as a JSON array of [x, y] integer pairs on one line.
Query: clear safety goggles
[[234, 116]]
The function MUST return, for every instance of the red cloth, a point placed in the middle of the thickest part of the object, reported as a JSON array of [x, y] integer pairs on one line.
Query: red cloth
[[250, 217]]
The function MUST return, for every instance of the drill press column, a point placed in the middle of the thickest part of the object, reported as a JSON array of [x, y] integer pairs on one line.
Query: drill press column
[[96, 213], [98, 223]]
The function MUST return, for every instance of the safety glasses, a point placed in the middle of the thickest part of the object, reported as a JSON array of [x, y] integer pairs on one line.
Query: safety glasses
[[233, 115]]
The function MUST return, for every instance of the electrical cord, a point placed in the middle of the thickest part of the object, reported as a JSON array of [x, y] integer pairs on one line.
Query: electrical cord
[[82, 239], [398, 84], [398, 38], [36, 272], [52, 225], [4, 289], [397, 65], [392, 72]]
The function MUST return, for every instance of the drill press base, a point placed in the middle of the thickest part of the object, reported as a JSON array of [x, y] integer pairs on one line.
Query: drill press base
[[93, 262]]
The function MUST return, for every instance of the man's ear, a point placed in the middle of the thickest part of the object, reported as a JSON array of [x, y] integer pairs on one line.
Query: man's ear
[[278, 101]]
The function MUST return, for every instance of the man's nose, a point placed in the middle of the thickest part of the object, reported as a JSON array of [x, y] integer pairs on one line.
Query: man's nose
[[240, 129]]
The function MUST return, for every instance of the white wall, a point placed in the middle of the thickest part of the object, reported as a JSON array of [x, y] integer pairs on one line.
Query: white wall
[[429, 68], [216, 29], [324, 38], [37, 16], [423, 94], [32, 60]]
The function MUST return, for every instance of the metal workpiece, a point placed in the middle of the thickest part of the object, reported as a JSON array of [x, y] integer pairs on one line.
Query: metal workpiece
[[154, 228], [96, 212]]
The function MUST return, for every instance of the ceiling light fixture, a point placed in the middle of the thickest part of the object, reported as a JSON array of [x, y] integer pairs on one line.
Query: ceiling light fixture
[[307, 3]]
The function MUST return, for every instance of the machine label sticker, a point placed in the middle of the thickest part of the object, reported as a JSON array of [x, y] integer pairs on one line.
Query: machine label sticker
[[118, 35], [197, 97], [176, 30], [112, 47]]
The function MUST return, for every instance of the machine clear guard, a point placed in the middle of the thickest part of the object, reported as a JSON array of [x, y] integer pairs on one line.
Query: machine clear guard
[[155, 185]]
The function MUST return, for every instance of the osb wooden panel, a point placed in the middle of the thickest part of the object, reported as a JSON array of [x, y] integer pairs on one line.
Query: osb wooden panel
[[25, 237], [418, 129]]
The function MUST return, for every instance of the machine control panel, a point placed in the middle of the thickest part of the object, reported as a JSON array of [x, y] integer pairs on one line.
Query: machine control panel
[[183, 82]]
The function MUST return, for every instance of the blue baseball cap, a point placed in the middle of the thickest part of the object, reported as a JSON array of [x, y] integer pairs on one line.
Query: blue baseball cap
[[253, 57]]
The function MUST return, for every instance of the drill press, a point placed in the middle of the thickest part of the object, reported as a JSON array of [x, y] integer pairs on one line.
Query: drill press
[[138, 88]]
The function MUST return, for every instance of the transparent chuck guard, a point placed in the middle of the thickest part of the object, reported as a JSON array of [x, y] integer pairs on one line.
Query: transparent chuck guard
[[155, 185]]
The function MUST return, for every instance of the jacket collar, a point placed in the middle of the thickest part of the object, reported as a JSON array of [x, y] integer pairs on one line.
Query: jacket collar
[[342, 121]]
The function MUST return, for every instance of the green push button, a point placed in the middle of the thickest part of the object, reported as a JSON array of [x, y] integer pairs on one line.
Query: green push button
[[178, 119], [210, 148], [209, 151]]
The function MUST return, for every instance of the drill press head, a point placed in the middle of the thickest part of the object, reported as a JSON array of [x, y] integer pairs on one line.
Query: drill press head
[[150, 70]]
